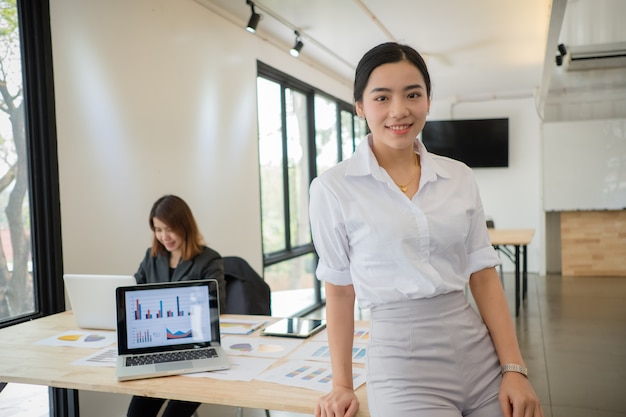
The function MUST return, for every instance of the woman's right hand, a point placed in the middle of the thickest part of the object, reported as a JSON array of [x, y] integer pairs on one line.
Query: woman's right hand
[[340, 402]]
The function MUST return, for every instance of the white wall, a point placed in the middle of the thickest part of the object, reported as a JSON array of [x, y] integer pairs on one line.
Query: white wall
[[511, 196], [593, 175], [157, 97]]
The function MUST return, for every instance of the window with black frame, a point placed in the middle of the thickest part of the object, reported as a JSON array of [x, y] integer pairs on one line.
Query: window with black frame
[[302, 132], [30, 243], [30, 230], [17, 296]]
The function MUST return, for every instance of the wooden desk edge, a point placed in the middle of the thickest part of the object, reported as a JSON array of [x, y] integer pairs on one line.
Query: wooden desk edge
[[511, 236]]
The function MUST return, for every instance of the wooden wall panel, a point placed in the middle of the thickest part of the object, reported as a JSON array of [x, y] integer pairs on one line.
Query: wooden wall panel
[[593, 243]]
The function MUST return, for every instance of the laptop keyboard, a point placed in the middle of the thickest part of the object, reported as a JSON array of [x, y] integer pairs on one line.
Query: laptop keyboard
[[185, 355]]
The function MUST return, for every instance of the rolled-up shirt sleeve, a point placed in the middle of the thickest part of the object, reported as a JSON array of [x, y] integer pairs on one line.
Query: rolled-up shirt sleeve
[[481, 259], [329, 235], [481, 254]]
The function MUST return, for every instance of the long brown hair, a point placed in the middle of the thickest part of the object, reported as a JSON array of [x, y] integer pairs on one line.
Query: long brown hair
[[176, 214]]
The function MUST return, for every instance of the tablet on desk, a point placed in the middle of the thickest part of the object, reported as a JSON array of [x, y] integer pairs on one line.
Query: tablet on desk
[[294, 327]]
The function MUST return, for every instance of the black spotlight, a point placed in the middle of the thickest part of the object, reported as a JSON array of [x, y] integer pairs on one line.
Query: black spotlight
[[254, 18], [297, 47], [562, 53], [559, 60]]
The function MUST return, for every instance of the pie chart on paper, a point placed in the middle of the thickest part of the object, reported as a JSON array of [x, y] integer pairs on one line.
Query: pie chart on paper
[[242, 347], [270, 348], [259, 346], [94, 338], [69, 337]]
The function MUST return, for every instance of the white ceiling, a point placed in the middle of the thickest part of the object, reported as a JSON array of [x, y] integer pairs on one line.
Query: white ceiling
[[477, 48]]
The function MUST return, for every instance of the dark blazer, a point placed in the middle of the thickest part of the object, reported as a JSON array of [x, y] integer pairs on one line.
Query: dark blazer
[[208, 264]]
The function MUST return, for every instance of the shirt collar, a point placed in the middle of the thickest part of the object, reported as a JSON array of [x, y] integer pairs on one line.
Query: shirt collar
[[363, 162]]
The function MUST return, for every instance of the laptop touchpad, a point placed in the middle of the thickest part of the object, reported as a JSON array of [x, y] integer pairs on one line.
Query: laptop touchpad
[[168, 366]]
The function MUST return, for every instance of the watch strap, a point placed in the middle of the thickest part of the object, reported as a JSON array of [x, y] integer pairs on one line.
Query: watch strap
[[513, 367]]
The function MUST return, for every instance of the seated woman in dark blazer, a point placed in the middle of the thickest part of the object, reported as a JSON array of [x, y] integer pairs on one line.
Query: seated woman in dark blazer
[[178, 253]]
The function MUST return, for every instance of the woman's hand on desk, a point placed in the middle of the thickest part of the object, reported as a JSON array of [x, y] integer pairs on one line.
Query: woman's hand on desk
[[340, 402]]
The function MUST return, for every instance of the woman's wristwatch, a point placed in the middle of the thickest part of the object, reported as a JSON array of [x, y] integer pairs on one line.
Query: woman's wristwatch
[[513, 367]]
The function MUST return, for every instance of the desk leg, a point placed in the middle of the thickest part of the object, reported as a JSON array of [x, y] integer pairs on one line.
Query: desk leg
[[63, 402], [517, 281], [524, 271]]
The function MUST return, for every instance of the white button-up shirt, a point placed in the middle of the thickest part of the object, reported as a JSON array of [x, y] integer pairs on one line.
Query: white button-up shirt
[[369, 234]]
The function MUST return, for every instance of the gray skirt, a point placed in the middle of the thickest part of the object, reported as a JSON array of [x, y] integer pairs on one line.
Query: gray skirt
[[431, 357]]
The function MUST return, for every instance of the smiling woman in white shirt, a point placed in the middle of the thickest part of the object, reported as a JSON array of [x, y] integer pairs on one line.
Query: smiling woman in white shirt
[[403, 231]]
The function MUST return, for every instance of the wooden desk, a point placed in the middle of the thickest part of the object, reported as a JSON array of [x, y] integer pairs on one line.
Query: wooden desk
[[519, 239], [52, 366]]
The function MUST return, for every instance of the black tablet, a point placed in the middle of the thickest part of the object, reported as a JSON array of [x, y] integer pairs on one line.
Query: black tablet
[[294, 327]]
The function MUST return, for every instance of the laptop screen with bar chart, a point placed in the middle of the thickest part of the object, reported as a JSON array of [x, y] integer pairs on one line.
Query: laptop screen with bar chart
[[168, 318]]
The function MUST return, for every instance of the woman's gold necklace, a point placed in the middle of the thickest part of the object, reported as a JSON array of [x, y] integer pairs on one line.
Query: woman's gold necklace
[[405, 187]]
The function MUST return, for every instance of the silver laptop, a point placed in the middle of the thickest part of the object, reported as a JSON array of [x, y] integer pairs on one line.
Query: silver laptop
[[92, 298], [168, 329]]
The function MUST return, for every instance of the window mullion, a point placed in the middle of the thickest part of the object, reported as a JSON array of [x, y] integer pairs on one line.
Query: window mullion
[[286, 201]]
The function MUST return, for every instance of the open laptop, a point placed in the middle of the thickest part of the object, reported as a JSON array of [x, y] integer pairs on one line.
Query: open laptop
[[92, 298], [168, 329]]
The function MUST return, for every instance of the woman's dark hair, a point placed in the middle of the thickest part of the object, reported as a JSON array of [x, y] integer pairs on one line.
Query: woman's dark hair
[[386, 53], [176, 214]]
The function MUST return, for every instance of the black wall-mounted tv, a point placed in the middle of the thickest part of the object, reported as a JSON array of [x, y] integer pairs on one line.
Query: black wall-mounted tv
[[480, 143]]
